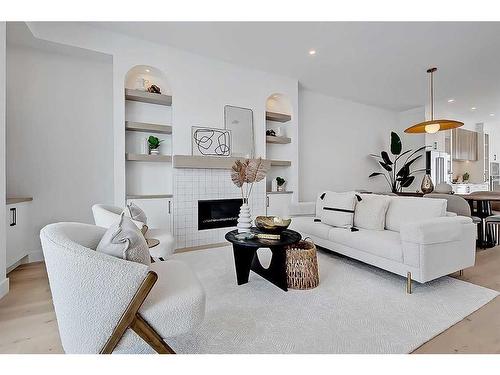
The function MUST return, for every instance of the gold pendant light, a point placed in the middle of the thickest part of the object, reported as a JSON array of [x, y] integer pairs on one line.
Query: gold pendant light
[[433, 126]]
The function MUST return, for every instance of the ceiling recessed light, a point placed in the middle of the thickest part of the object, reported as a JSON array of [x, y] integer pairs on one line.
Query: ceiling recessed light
[[312, 52], [451, 100], [147, 70], [473, 108], [492, 114]]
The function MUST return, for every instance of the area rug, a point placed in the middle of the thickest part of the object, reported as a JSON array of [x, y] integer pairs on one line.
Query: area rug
[[355, 309]]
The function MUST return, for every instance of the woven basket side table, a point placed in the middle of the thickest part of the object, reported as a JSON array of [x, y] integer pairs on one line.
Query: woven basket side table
[[302, 265]]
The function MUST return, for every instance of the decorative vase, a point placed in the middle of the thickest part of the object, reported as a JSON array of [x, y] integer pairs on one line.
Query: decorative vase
[[154, 151], [244, 219], [427, 186], [280, 187]]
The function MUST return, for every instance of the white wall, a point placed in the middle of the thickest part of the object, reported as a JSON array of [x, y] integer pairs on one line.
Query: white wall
[[336, 136], [59, 134], [200, 86], [3, 281]]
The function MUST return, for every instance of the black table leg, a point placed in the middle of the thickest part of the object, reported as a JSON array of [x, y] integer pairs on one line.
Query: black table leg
[[243, 257], [276, 273]]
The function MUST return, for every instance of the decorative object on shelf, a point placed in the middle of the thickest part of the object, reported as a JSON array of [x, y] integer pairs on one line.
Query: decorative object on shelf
[[145, 146], [154, 89], [465, 177], [433, 126], [272, 224], [302, 265], [427, 186], [280, 131], [402, 177], [154, 145], [211, 141], [141, 84], [239, 121], [280, 182], [271, 133], [244, 175]]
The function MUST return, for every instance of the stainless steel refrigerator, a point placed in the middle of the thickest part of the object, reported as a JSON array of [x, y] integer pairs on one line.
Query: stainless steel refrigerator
[[438, 164]]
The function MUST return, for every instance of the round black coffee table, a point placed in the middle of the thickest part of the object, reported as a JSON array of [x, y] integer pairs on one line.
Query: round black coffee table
[[246, 259]]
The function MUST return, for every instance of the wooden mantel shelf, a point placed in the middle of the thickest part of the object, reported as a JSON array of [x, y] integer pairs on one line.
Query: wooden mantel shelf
[[213, 162]]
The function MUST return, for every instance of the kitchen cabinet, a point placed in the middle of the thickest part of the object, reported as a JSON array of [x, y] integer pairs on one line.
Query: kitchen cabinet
[[159, 211], [465, 144], [278, 203], [18, 227]]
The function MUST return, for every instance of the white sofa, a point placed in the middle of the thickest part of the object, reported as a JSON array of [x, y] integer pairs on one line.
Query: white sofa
[[420, 240]]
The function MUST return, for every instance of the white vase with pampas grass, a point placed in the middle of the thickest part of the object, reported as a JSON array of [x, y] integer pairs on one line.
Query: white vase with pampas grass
[[244, 175]]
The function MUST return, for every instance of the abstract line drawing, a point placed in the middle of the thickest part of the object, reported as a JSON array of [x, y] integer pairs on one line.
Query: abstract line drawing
[[211, 141]]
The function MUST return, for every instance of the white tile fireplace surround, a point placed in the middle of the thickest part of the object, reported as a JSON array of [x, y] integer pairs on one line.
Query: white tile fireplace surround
[[191, 185]]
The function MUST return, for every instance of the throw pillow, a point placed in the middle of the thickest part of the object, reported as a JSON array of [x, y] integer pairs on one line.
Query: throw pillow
[[370, 211], [338, 209], [124, 240], [135, 213]]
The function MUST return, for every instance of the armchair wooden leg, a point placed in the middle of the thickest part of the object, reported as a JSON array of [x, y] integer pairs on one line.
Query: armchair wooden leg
[[131, 319], [148, 334]]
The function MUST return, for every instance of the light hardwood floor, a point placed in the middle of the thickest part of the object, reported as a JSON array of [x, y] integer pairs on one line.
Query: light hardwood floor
[[28, 323]]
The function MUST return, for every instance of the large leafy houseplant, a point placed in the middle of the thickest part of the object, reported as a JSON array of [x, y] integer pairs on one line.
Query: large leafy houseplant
[[398, 177]]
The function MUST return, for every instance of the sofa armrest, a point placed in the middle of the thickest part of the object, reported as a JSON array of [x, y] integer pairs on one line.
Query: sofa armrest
[[436, 230], [302, 209]]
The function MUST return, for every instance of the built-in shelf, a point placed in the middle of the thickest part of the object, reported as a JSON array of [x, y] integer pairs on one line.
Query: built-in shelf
[[276, 139], [214, 162], [148, 97], [279, 192], [16, 200], [151, 158], [277, 117], [149, 196], [281, 163], [147, 127]]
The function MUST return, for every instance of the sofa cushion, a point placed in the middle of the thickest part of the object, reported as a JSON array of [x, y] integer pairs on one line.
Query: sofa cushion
[[307, 226], [338, 208], [135, 213], [404, 210], [382, 243], [124, 240], [370, 211]]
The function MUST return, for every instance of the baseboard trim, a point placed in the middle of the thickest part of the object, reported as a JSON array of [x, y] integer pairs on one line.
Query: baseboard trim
[[4, 287], [201, 247], [35, 256]]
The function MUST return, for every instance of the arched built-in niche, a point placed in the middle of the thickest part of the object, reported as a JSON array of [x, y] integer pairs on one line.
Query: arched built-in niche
[[148, 175], [279, 149]]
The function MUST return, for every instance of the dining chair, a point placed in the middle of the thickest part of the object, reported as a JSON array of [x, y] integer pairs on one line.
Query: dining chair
[[99, 299]]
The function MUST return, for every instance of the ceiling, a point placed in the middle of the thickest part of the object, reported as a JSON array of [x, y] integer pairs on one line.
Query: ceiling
[[376, 63]]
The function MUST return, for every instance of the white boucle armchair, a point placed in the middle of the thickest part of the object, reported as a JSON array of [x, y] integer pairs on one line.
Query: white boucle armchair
[[97, 297], [106, 215]]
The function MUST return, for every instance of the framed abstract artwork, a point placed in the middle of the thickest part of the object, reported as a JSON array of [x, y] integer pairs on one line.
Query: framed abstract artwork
[[211, 141]]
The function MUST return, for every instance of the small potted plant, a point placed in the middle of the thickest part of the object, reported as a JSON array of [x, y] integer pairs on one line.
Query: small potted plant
[[280, 182], [465, 177], [154, 145]]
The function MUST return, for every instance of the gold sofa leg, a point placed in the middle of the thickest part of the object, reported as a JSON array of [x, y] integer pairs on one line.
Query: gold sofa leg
[[461, 273], [408, 283], [132, 319]]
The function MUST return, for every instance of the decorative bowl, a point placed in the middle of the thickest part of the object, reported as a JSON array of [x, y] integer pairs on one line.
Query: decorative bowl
[[272, 224]]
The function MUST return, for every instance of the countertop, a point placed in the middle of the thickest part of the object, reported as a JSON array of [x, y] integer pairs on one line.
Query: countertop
[[15, 200]]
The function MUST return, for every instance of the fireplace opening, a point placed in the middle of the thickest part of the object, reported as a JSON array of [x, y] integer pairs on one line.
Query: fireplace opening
[[218, 213]]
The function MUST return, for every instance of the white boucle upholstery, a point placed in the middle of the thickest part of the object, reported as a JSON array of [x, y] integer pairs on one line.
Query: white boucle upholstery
[[408, 209], [370, 211], [105, 216], [91, 290]]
